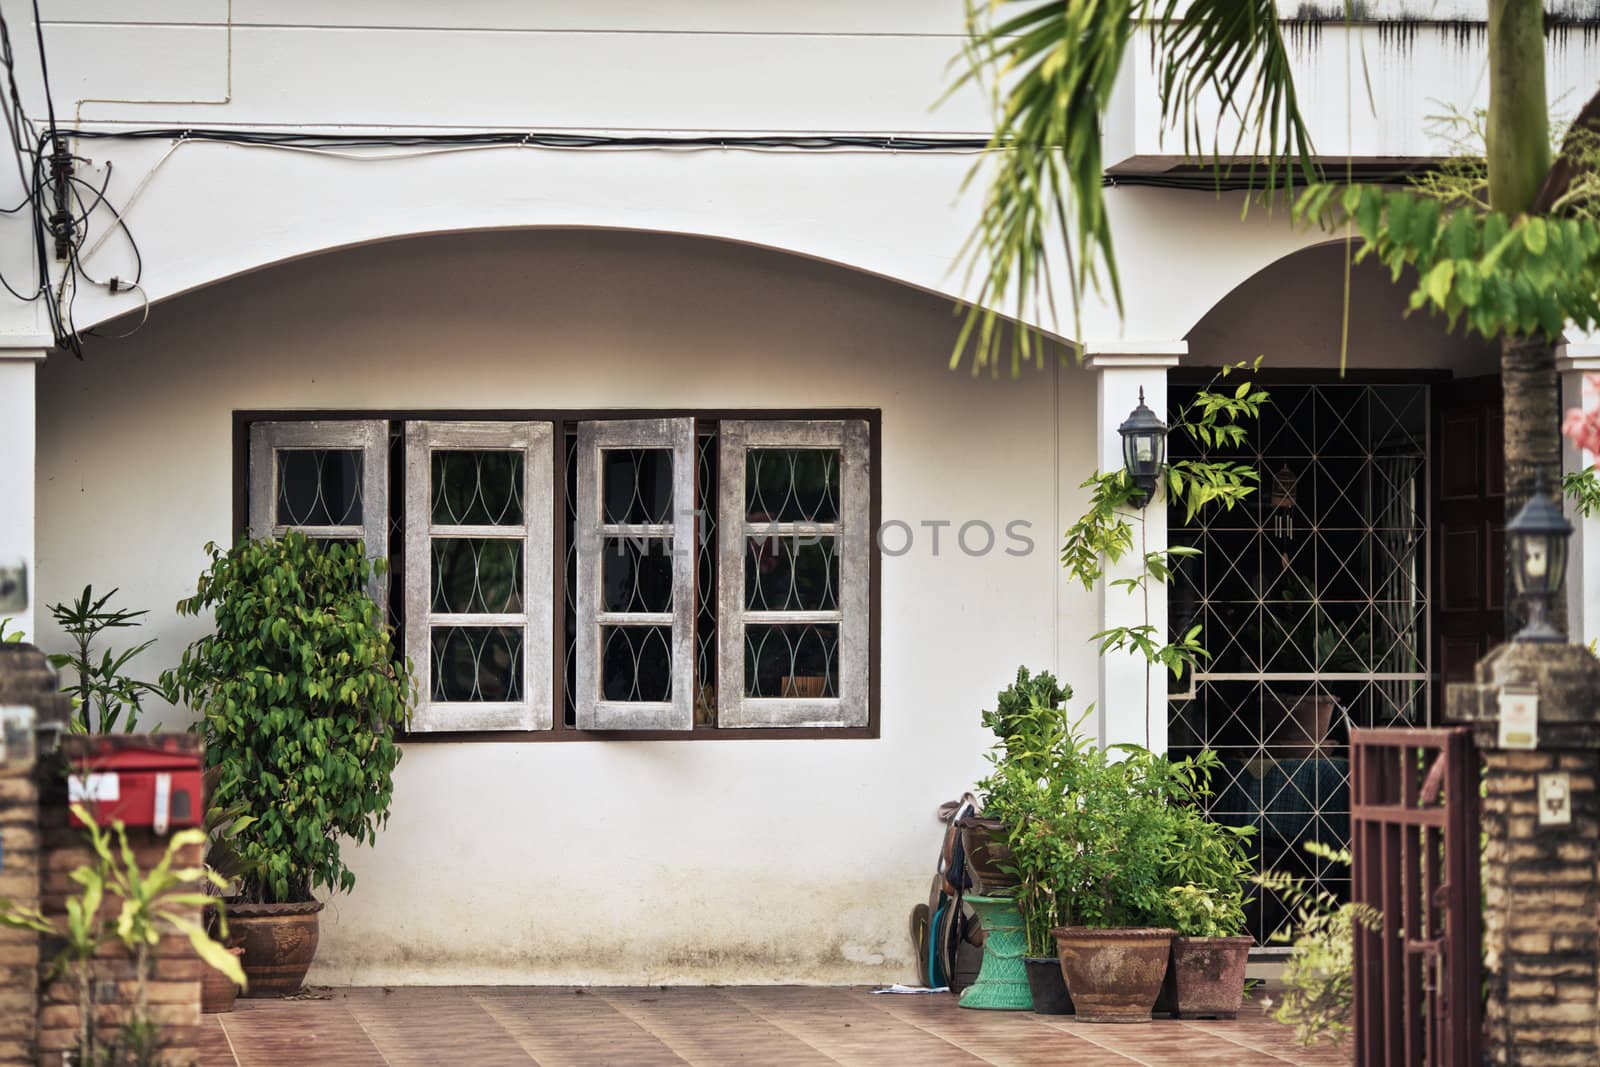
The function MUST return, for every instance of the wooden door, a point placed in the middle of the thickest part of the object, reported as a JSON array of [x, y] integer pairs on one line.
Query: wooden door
[[1468, 528]]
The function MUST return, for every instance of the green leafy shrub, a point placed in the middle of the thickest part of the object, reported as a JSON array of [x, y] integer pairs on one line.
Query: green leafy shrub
[[104, 695], [1319, 976], [300, 693], [1103, 839], [1015, 704]]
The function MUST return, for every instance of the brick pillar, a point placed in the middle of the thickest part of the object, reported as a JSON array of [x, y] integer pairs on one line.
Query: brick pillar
[[1541, 881], [25, 680], [173, 989]]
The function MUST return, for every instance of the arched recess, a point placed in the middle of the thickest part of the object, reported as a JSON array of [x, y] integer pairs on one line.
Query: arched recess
[[1293, 312]]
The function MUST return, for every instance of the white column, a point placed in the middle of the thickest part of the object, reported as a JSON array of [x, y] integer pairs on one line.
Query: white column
[[1574, 360], [1133, 692], [17, 472]]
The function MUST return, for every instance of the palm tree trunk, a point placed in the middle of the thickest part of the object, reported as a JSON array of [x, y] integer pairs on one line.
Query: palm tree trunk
[[1518, 146], [1518, 133], [1533, 417]]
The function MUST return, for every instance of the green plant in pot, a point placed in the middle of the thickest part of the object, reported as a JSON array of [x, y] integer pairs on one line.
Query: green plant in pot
[[1112, 844], [1035, 769], [299, 692], [1209, 871], [1018, 751]]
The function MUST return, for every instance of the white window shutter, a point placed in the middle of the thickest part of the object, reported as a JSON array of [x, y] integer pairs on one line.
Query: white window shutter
[[631, 630]]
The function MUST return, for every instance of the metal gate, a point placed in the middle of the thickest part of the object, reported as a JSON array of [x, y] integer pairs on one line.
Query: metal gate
[[1415, 849], [1312, 597]]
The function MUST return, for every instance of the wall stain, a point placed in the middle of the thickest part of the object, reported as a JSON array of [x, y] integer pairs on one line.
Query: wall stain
[[1303, 30]]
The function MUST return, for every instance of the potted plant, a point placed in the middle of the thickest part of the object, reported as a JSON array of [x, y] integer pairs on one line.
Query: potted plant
[[1205, 976], [985, 838], [1035, 766], [300, 690], [226, 867], [1111, 834]]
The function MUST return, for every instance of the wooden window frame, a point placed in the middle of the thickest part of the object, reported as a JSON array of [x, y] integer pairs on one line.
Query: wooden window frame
[[676, 435], [853, 544], [565, 420], [536, 442], [370, 437]]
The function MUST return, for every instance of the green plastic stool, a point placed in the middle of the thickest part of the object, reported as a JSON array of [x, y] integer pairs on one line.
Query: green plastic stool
[[1002, 983]]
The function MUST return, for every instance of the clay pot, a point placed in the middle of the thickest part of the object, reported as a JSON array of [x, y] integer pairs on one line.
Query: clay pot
[[1113, 976], [984, 841], [1048, 984], [803, 686], [279, 942], [217, 991], [1206, 977]]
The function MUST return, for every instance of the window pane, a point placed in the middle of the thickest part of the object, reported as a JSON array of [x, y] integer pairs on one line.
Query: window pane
[[791, 574], [477, 488], [636, 485], [791, 485], [794, 660], [477, 576], [636, 574], [477, 663], [636, 663], [319, 487]]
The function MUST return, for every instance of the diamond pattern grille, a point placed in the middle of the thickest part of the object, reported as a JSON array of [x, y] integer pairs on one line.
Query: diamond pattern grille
[[1313, 599]]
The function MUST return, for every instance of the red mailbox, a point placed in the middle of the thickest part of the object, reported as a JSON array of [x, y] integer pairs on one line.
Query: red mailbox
[[143, 781]]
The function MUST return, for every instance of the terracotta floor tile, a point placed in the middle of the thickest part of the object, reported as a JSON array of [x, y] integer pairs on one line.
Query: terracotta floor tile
[[574, 1028], [272, 1033], [421, 1027], [767, 1026]]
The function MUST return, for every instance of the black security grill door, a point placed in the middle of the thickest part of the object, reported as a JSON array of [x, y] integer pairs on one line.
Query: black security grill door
[[1313, 599]]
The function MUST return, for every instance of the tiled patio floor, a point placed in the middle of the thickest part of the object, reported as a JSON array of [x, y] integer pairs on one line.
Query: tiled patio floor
[[780, 1026]]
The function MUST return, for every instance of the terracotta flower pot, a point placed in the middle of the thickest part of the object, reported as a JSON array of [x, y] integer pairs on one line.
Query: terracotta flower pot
[[984, 841], [1049, 986], [217, 991], [279, 942], [1206, 978], [1113, 976]]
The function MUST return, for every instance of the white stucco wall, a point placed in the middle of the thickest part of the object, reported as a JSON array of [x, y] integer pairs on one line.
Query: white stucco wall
[[208, 211], [716, 861], [679, 861]]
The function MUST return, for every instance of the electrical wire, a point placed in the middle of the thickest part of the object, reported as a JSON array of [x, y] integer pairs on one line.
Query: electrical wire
[[536, 139]]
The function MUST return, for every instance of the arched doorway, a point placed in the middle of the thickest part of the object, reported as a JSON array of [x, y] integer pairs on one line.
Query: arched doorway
[[1319, 596]]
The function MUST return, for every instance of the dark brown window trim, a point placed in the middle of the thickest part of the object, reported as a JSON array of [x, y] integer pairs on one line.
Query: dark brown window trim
[[242, 420]]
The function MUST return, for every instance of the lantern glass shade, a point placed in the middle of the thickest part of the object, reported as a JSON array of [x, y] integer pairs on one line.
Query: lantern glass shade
[[1536, 539], [1144, 449], [1538, 563]]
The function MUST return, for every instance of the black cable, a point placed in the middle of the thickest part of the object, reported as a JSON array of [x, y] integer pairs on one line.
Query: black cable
[[44, 67], [99, 195], [291, 139]]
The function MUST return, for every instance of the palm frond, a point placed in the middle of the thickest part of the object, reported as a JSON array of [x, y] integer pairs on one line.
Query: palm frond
[[1050, 69], [1231, 51]]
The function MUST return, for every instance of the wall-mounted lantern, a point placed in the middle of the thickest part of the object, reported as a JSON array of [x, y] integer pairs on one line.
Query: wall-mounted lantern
[[1537, 541], [1144, 451]]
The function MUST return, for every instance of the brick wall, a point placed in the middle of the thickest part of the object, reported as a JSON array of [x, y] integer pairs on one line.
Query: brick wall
[[1541, 898], [173, 990], [19, 882], [25, 679]]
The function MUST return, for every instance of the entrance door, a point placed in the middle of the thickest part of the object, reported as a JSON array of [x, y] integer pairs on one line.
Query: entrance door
[[1469, 571], [1312, 597]]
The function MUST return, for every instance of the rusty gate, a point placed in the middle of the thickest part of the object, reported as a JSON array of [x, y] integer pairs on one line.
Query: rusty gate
[[1415, 850]]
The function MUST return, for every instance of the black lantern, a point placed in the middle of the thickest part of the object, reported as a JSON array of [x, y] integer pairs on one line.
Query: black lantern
[[1537, 541], [1144, 451]]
